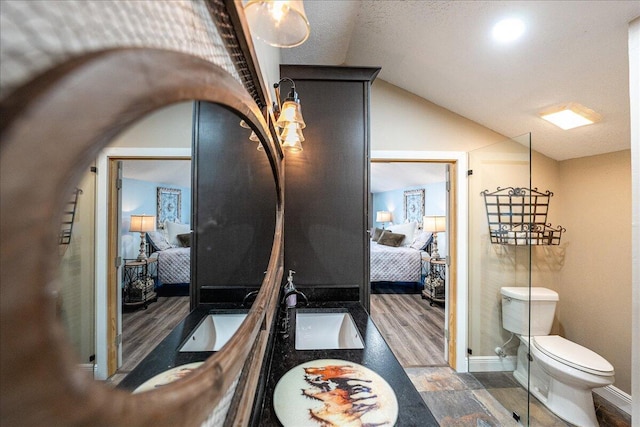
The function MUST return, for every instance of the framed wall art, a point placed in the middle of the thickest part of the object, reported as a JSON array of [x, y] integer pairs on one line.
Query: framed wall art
[[414, 205], [169, 205]]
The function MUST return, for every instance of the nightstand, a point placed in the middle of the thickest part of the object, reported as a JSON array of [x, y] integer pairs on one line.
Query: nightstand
[[138, 282], [434, 281]]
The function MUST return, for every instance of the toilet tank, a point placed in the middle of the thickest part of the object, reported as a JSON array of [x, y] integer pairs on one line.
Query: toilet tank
[[515, 310]]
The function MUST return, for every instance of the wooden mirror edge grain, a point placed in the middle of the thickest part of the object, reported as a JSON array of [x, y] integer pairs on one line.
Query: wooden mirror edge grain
[[52, 128]]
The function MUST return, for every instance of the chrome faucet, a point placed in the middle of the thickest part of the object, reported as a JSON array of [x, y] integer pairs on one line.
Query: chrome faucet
[[248, 296]]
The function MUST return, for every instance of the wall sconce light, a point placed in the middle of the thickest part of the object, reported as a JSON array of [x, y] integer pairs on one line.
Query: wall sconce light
[[141, 224], [435, 224], [278, 23], [289, 118], [383, 216], [252, 137]]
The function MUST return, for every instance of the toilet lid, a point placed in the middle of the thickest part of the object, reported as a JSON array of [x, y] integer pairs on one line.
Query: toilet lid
[[572, 354]]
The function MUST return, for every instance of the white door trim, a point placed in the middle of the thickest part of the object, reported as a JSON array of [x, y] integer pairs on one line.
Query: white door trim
[[102, 240], [462, 206]]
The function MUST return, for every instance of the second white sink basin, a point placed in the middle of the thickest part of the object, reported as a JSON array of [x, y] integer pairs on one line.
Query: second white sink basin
[[213, 332], [326, 331]]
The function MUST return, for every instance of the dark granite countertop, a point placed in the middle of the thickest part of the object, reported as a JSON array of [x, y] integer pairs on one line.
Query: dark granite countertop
[[376, 356], [167, 355]]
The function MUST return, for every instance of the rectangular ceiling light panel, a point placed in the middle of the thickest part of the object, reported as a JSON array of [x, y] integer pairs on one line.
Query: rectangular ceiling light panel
[[570, 116]]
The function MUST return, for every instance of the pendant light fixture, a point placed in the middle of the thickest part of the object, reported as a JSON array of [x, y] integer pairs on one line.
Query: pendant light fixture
[[280, 23]]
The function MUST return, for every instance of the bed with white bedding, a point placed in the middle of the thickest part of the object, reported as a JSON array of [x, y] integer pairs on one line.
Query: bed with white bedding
[[395, 264], [174, 266], [399, 261], [171, 246]]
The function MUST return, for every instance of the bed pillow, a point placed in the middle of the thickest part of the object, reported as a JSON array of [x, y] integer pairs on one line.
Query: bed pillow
[[375, 234], [408, 229], [388, 238], [158, 241], [422, 240], [184, 239], [173, 229]]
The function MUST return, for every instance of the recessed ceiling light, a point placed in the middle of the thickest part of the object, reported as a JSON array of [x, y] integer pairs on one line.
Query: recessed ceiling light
[[570, 116], [508, 30]]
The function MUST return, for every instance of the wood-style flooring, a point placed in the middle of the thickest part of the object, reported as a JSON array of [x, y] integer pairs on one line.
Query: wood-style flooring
[[413, 329], [144, 329]]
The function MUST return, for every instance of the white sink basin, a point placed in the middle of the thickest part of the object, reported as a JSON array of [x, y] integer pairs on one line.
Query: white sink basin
[[213, 332], [326, 331]]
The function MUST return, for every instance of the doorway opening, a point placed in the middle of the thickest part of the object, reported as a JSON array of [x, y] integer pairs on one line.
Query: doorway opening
[[409, 284], [143, 317], [456, 305]]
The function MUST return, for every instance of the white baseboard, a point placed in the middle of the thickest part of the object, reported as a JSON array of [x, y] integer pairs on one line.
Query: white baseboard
[[89, 368], [492, 363], [616, 397]]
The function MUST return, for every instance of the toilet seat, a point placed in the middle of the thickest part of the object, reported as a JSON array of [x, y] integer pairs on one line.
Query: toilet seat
[[573, 355]]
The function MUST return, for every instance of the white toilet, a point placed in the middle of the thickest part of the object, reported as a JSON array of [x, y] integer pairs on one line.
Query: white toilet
[[563, 373]]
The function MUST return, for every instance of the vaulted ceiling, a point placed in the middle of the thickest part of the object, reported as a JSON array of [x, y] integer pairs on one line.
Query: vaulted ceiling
[[442, 51]]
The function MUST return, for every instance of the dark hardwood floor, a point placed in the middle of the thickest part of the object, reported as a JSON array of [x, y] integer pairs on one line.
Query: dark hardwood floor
[[142, 330], [413, 329]]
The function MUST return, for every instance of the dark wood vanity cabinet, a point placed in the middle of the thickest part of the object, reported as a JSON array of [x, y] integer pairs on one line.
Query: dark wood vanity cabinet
[[327, 184]]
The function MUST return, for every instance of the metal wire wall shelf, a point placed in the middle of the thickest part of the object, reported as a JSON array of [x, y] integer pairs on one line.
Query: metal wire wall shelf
[[518, 216]]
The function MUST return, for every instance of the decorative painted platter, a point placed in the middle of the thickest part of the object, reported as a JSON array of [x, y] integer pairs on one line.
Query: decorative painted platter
[[333, 392], [167, 377]]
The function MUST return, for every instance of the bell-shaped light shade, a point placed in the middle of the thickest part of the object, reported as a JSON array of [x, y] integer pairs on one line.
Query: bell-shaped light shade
[[294, 145], [291, 113], [292, 132], [292, 139], [278, 23], [260, 147], [253, 137], [244, 124]]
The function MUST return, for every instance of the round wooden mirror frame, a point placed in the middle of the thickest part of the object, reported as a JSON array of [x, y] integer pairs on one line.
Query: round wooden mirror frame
[[52, 128]]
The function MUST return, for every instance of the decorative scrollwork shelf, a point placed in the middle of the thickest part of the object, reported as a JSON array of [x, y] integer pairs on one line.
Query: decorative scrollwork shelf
[[518, 216]]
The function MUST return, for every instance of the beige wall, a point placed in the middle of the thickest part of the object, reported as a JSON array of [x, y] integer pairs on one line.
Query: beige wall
[[594, 282], [401, 120], [169, 127], [77, 274]]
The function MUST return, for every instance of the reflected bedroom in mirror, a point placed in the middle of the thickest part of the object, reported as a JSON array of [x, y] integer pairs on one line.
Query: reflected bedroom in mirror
[[151, 228]]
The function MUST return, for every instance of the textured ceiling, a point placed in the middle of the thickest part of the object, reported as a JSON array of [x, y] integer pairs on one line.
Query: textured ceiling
[[571, 51]]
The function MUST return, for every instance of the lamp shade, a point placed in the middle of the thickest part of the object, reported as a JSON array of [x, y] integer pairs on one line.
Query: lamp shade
[[291, 115], [293, 144], [435, 224], [278, 23], [383, 216], [142, 223], [292, 133]]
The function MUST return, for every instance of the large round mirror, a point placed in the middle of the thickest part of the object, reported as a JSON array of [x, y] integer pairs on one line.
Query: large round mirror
[[53, 130], [207, 194]]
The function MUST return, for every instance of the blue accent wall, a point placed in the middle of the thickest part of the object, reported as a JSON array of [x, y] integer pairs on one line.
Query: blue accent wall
[[139, 197], [435, 200]]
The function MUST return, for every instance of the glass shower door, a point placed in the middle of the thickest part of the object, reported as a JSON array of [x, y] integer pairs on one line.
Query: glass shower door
[[499, 256]]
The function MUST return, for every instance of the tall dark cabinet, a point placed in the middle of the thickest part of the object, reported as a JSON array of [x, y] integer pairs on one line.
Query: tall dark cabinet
[[327, 184], [234, 208]]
